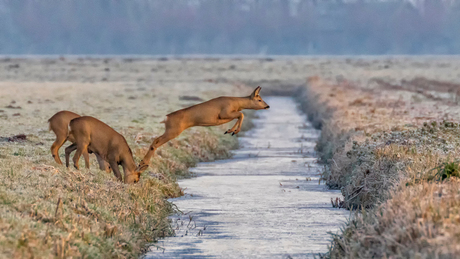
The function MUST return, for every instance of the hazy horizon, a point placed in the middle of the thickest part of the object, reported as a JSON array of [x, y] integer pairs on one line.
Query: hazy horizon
[[228, 28]]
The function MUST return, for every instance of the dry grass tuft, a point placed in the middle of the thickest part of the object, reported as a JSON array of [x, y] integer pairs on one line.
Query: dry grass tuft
[[420, 221]]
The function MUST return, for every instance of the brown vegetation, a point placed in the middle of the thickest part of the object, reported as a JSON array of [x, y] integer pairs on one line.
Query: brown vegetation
[[394, 158]]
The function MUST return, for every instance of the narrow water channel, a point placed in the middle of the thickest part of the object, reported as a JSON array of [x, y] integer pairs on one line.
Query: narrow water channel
[[265, 202]]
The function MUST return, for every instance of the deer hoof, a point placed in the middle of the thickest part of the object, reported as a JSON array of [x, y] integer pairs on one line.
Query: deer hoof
[[233, 133]]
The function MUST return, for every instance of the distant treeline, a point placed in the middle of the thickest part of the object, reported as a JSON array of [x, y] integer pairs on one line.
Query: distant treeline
[[272, 27]]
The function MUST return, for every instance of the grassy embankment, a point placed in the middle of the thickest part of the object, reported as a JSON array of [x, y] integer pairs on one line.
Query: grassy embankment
[[393, 150], [48, 211]]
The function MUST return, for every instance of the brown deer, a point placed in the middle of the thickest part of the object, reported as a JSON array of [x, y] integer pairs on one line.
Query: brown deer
[[59, 124], [211, 113], [90, 133]]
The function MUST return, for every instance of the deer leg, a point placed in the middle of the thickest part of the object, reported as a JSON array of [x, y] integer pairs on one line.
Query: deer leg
[[116, 170], [103, 165], [169, 134], [60, 140], [69, 150], [233, 128], [240, 123], [233, 115], [73, 147], [76, 156], [82, 148], [86, 156]]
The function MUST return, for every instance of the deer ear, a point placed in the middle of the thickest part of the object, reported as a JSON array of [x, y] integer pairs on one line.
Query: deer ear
[[141, 168], [256, 92]]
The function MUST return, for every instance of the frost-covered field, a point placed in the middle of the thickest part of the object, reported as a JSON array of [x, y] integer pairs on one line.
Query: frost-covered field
[[47, 210]]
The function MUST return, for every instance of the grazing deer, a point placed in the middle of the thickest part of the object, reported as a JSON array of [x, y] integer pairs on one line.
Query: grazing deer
[[59, 124], [90, 133], [211, 113]]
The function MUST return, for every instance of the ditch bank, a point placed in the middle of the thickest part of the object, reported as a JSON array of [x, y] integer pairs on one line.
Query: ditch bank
[[392, 154]]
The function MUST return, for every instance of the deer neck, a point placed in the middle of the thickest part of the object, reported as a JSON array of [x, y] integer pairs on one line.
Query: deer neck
[[244, 103], [128, 163]]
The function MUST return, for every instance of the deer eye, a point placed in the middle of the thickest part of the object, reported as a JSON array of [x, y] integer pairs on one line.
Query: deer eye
[[260, 100]]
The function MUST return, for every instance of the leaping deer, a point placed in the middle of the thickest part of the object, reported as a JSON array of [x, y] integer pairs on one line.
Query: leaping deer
[[211, 113]]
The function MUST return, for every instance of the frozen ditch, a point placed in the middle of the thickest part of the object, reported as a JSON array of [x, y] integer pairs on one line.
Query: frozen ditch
[[259, 203]]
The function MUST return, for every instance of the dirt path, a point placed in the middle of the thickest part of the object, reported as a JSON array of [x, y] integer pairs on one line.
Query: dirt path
[[258, 204]]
